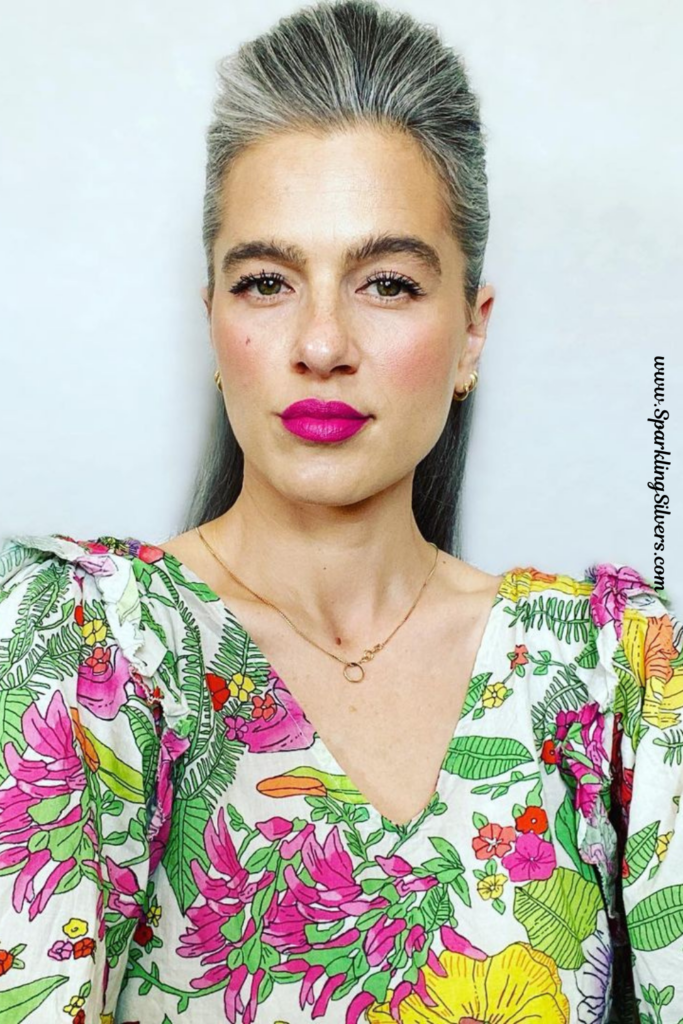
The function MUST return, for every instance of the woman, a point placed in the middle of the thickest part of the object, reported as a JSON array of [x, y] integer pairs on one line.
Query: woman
[[303, 761]]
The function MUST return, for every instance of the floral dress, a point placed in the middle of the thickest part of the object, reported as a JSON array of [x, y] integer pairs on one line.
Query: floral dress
[[178, 846]]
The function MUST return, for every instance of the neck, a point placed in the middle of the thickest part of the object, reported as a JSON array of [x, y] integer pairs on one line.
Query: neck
[[349, 571]]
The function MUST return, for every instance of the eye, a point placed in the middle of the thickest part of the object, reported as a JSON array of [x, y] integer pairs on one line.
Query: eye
[[394, 281], [271, 279]]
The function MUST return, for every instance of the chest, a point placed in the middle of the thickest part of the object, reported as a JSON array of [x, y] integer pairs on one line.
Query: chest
[[390, 732]]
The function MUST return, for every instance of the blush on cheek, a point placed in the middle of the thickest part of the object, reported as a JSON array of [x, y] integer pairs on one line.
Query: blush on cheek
[[420, 362]]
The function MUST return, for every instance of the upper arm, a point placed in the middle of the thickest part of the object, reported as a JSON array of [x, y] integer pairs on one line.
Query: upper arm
[[78, 754]]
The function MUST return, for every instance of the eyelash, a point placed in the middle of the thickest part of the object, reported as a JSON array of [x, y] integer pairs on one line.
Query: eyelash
[[247, 280]]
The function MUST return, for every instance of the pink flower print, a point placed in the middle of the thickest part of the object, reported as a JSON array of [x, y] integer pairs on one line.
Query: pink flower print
[[48, 780], [60, 950], [126, 896], [274, 828], [397, 867], [608, 597], [380, 938], [493, 841], [457, 943], [582, 754], [221, 899], [101, 681], [532, 859], [235, 727], [223, 893]]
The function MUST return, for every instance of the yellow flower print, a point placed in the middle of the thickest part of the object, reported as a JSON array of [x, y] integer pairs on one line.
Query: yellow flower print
[[74, 1005], [75, 928], [94, 631], [494, 695], [515, 986], [662, 845], [240, 686], [491, 887], [154, 915], [106, 1018]]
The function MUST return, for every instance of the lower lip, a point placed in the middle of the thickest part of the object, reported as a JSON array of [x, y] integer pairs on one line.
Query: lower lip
[[325, 430]]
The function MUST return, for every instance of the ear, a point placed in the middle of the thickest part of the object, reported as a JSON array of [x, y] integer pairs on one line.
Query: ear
[[476, 330]]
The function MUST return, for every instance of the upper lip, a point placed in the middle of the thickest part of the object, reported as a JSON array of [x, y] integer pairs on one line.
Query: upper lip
[[322, 410]]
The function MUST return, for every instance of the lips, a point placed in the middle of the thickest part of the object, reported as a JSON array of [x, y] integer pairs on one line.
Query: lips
[[324, 428], [316, 409]]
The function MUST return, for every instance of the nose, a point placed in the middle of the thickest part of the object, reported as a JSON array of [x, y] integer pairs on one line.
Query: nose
[[324, 343]]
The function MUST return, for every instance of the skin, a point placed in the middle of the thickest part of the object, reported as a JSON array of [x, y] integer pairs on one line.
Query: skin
[[325, 531]]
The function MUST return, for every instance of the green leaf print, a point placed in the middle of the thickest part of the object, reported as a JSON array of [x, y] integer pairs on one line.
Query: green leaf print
[[559, 913], [116, 775], [476, 688], [628, 694], [657, 921], [640, 848], [566, 692], [565, 830], [185, 844], [13, 704], [484, 757], [16, 1004]]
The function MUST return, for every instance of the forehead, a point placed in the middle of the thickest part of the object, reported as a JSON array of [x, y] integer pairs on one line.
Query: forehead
[[332, 189]]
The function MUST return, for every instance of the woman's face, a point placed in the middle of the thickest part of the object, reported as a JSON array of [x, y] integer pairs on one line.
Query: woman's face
[[334, 319]]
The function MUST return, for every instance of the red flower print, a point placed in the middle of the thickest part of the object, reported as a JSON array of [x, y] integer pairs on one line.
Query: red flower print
[[80, 1017], [549, 753], [534, 819], [6, 961], [142, 934], [78, 614], [625, 870], [493, 841], [519, 657], [218, 688], [84, 947]]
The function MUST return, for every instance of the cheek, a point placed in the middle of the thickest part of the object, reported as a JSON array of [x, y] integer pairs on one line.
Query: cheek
[[420, 361], [238, 353]]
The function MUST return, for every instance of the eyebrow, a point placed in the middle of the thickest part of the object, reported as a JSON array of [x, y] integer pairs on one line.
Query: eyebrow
[[366, 249]]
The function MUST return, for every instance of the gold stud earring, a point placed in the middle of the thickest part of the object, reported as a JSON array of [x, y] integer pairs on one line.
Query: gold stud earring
[[460, 396], [217, 378]]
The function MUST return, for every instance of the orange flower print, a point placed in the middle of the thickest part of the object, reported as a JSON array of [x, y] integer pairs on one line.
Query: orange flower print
[[534, 819], [84, 947], [89, 753], [264, 707], [519, 657], [493, 841]]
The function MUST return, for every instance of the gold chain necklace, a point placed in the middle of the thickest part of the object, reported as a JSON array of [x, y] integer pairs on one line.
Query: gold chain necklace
[[349, 666]]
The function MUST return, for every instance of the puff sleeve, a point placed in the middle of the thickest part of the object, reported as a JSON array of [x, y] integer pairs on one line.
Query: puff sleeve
[[647, 785], [79, 750]]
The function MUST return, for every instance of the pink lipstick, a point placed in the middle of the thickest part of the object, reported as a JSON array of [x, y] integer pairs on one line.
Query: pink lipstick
[[316, 420]]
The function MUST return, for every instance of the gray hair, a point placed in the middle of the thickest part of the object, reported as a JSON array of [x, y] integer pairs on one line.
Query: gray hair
[[333, 65]]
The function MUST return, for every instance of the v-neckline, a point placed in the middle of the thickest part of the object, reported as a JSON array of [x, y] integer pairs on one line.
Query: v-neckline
[[223, 613]]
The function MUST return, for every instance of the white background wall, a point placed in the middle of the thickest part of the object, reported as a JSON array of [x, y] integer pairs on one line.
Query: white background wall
[[105, 359]]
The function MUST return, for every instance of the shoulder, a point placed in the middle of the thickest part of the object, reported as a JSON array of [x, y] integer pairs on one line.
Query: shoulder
[[610, 591], [41, 574]]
